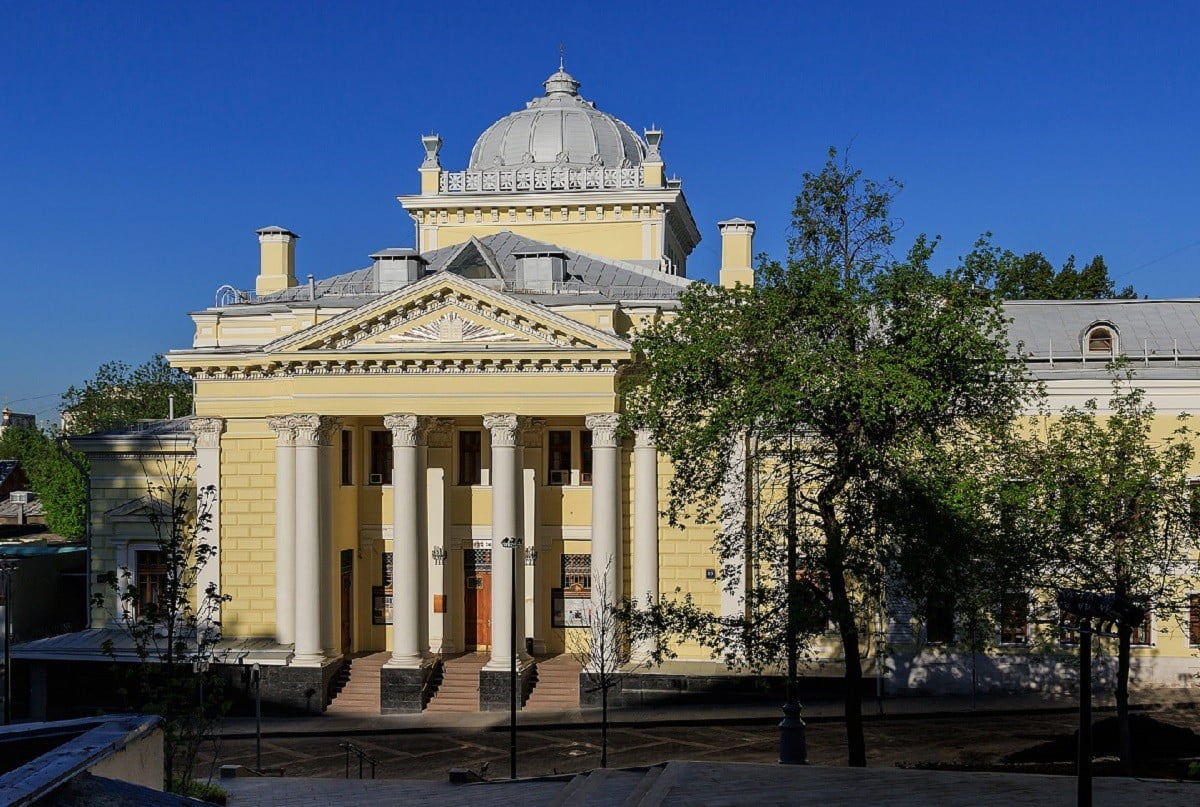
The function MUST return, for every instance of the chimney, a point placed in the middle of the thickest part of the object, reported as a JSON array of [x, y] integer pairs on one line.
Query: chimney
[[277, 260], [540, 270], [737, 253], [396, 267], [431, 168], [652, 166]]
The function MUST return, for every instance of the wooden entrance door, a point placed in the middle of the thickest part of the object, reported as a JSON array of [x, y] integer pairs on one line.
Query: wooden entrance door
[[477, 607], [347, 600]]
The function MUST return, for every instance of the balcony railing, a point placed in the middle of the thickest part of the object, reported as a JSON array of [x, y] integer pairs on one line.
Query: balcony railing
[[549, 178]]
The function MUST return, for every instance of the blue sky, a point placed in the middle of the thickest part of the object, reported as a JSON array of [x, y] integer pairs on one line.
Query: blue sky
[[141, 144]]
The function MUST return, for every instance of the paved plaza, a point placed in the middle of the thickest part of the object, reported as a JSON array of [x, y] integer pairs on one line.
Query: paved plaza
[[699, 784]]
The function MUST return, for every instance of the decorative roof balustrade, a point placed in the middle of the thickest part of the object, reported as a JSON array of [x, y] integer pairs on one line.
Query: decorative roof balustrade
[[537, 178]]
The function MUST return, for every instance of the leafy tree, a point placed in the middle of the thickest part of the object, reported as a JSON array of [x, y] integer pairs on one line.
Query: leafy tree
[[119, 395], [55, 473], [173, 627], [1119, 511], [864, 385], [1033, 277]]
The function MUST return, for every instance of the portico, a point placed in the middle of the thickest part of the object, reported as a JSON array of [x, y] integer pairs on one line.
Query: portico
[[435, 558]]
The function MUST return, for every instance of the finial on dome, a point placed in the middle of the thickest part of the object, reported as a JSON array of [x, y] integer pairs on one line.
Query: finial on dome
[[561, 82]]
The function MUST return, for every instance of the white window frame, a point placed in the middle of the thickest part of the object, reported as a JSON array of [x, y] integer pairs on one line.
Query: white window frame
[[1113, 336]]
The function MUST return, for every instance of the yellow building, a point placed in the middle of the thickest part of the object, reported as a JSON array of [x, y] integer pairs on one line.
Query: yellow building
[[420, 459], [403, 452]]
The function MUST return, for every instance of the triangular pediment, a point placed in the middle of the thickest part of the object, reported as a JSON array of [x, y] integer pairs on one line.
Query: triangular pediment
[[446, 311], [143, 508]]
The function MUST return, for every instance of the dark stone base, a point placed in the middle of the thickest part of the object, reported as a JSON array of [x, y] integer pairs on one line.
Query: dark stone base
[[405, 689], [285, 690], [650, 689], [495, 688]]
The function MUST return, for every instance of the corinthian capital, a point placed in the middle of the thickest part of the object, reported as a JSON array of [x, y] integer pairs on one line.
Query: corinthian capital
[[207, 431], [285, 431], [643, 438], [503, 427], [314, 430], [604, 429], [405, 427]]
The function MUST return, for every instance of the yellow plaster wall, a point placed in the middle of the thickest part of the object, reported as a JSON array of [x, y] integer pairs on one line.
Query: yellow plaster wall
[[248, 527], [612, 238], [116, 480]]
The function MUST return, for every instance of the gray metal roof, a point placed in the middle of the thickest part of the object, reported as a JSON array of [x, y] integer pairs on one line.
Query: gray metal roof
[[589, 278], [1158, 329]]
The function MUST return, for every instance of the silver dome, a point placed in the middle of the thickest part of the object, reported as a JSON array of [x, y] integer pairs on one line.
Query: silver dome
[[560, 128]]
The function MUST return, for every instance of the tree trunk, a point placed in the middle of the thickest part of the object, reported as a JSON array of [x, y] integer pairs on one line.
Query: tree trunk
[[1125, 746], [856, 744], [604, 726]]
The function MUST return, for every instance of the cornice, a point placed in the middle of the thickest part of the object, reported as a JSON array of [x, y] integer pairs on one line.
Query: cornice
[[552, 199], [372, 366]]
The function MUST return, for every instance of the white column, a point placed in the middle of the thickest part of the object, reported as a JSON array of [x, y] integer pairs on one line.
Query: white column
[[537, 605], [735, 514], [331, 577], [508, 590], [439, 636], [309, 600], [208, 499], [645, 518], [408, 562], [285, 528], [606, 509]]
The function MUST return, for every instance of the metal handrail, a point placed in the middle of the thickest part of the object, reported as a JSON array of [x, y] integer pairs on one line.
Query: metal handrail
[[349, 747]]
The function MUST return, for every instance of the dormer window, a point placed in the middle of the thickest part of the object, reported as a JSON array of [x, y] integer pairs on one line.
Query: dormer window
[[1101, 340]]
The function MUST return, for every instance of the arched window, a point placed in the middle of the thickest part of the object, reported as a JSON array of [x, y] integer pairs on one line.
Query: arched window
[[1101, 340]]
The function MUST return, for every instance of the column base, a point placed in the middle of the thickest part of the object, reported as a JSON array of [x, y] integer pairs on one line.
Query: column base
[[309, 660], [405, 662], [503, 665], [495, 687], [405, 689]]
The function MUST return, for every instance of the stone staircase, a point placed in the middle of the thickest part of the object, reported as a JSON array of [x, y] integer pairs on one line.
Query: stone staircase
[[459, 687], [557, 686], [359, 694], [606, 787]]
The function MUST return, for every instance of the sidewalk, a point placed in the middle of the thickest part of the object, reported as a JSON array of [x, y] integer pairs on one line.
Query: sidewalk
[[685, 714]]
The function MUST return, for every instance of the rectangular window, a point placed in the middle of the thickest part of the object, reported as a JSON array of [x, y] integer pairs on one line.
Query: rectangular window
[[1142, 633], [577, 574], [585, 458], [381, 458], [150, 576], [1014, 618], [1194, 618], [939, 620], [470, 457], [347, 457], [559, 470]]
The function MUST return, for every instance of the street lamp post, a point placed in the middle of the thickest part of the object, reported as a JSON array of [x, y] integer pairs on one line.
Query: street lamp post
[[514, 546]]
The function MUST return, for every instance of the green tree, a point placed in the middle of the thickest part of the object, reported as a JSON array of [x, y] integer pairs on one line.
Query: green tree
[[54, 473], [854, 387], [173, 625], [1119, 511], [1033, 277], [119, 395]]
